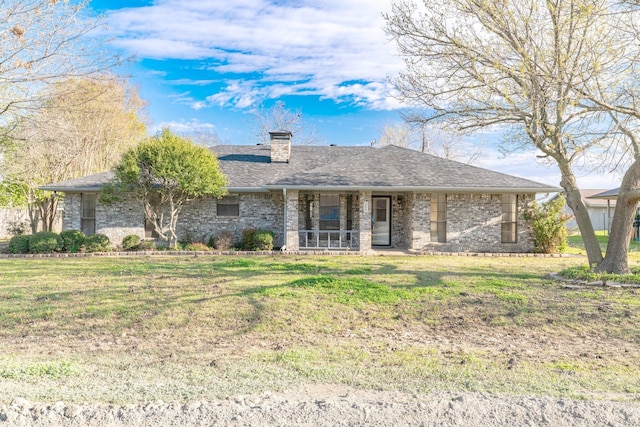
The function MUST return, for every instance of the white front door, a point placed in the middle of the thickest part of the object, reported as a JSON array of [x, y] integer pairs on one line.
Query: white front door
[[381, 221]]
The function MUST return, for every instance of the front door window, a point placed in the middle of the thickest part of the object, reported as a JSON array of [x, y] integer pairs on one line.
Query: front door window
[[381, 221]]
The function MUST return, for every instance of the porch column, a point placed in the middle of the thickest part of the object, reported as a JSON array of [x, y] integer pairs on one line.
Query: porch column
[[291, 214], [343, 212], [315, 216], [365, 221]]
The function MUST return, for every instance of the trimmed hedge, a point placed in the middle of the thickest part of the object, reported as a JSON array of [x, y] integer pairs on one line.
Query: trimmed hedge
[[263, 240], [19, 244], [257, 240], [130, 242], [45, 242], [247, 239], [97, 243], [72, 240]]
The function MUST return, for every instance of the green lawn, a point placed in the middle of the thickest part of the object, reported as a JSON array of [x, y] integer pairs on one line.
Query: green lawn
[[181, 328], [576, 246]]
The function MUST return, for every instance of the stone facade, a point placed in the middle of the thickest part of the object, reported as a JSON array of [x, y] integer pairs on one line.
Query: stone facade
[[418, 218], [364, 221], [200, 221], [473, 221], [197, 222], [400, 224], [72, 207], [473, 224], [292, 220]]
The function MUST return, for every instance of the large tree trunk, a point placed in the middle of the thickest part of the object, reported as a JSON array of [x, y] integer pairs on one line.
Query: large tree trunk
[[48, 208], [615, 260], [574, 201]]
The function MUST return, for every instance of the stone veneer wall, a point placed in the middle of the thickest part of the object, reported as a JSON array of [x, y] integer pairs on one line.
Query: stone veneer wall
[[419, 220], [474, 225], [400, 229], [198, 219], [71, 219], [473, 220], [293, 220], [119, 219], [257, 210]]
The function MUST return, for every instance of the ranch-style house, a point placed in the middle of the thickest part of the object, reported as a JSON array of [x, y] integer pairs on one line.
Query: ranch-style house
[[334, 197]]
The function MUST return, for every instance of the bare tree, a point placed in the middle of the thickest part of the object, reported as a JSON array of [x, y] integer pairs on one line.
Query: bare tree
[[429, 138], [86, 126], [487, 64], [43, 41], [399, 134], [280, 118], [614, 91], [204, 136]]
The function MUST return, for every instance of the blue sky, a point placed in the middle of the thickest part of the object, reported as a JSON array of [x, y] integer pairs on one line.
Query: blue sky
[[207, 63]]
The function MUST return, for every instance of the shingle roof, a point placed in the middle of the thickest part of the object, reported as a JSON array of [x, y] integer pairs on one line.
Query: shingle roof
[[609, 194], [249, 168]]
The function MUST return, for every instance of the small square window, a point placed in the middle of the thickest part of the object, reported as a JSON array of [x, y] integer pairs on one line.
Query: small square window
[[228, 206]]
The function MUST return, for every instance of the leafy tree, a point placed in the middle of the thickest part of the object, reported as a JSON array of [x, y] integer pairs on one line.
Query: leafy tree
[[165, 173], [86, 126], [524, 65], [12, 194], [547, 222]]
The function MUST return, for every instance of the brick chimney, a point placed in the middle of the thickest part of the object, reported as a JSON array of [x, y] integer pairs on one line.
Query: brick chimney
[[280, 146]]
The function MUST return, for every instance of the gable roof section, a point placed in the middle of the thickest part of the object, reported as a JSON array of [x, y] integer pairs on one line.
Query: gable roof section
[[390, 168]]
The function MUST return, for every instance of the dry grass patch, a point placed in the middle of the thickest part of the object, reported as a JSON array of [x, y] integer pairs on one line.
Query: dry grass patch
[[179, 328]]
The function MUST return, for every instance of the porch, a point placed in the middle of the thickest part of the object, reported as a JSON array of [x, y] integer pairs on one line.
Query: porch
[[357, 221]]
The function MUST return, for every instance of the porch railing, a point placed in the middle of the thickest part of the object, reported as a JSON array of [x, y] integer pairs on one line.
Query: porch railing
[[326, 239]]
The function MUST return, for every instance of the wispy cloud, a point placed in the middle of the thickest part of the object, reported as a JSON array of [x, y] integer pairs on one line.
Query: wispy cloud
[[333, 49], [190, 126]]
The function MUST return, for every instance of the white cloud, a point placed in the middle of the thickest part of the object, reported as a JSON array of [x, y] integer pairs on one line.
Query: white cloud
[[190, 126], [323, 44]]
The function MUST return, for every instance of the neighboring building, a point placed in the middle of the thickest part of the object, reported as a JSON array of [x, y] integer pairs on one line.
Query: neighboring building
[[330, 197], [600, 209]]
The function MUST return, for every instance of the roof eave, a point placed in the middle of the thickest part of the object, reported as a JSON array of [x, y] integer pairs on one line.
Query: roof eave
[[92, 189], [485, 190], [95, 189]]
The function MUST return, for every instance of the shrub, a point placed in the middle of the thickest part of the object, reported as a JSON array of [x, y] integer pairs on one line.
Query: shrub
[[197, 247], [19, 244], [547, 223], [130, 242], [97, 243], [263, 240], [45, 242], [247, 239], [147, 245], [223, 240], [72, 240]]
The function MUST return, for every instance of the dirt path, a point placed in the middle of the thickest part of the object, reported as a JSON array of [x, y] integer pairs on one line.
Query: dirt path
[[334, 406]]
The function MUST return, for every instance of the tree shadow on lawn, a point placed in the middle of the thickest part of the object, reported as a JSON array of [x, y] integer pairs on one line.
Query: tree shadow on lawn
[[354, 285]]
